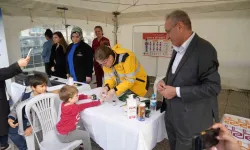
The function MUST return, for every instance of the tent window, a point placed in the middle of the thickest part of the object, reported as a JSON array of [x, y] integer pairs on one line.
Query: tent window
[[34, 38]]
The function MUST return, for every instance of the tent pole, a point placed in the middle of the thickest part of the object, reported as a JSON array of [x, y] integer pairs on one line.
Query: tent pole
[[65, 21], [116, 26]]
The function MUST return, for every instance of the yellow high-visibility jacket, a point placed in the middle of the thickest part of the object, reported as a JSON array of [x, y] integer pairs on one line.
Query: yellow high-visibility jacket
[[126, 73]]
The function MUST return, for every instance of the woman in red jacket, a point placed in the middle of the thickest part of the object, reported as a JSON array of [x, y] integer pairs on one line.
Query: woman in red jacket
[[100, 39]]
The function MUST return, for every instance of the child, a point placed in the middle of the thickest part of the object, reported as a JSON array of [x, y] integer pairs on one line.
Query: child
[[38, 84], [70, 116]]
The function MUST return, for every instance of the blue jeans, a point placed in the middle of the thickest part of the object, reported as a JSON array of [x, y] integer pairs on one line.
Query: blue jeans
[[17, 139]]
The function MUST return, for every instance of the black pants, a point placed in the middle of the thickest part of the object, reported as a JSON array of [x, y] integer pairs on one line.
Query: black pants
[[47, 68], [4, 141], [176, 140]]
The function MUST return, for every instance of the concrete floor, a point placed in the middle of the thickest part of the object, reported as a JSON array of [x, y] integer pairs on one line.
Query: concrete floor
[[230, 102]]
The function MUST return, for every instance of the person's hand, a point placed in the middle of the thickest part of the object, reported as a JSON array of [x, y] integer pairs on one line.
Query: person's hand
[[23, 62], [11, 123], [169, 92], [88, 79], [53, 69], [161, 86], [104, 92], [110, 95], [28, 131], [226, 139]]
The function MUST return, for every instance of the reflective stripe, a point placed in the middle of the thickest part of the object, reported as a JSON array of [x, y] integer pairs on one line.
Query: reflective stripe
[[120, 75], [108, 75], [120, 58], [118, 80], [130, 80], [131, 74]]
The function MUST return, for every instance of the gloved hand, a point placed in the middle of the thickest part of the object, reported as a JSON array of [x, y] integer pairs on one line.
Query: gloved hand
[[104, 93], [110, 95]]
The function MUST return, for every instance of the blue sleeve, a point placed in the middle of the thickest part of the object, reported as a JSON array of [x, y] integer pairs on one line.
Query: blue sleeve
[[45, 49]]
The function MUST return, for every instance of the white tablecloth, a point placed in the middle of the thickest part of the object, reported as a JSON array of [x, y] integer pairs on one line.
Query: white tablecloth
[[81, 88], [112, 130]]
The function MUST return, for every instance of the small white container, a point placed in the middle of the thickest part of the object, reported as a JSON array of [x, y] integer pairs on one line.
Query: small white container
[[70, 81], [131, 107]]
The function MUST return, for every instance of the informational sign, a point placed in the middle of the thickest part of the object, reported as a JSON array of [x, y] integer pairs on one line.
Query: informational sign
[[156, 44], [240, 129]]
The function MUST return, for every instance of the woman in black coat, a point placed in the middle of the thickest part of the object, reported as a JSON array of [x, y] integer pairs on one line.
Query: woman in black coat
[[79, 58], [7, 73], [58, 55]]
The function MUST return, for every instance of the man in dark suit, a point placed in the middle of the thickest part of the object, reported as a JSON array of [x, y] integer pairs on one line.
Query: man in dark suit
[[191, 85], [7, 73]]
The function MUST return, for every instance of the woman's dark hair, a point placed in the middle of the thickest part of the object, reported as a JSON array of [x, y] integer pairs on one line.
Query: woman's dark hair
[[99, 27], [62, 41], [37, 79], [48, 33], [103, 52]]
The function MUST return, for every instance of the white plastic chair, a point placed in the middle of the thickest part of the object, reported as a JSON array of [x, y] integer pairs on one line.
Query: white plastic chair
[[44, 107], [30, 140], [16, 91], [156, 82]]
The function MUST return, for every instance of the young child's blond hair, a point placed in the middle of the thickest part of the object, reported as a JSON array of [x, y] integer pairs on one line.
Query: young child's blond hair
[[67, 92]]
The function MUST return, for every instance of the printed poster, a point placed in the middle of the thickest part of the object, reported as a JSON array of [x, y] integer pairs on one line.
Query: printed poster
[[240, 129], [157, 45]]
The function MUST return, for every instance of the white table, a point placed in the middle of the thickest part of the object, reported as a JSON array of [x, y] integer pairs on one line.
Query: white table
[[112, 130], [81, 88]]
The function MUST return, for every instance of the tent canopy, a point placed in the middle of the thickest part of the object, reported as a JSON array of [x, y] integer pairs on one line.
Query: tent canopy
[[132, 11]]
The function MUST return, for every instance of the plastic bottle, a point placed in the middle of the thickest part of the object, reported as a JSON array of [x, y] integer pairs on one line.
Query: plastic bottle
[[70, 81], [141, 112], [153, 103]]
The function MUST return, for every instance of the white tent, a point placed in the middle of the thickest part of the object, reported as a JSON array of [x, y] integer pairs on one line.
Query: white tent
[[225, 23], [132, 11]]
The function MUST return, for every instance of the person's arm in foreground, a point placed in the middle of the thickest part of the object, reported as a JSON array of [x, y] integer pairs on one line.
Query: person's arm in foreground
[[84, 97], [14, 69], [83, 106], [226, 139]]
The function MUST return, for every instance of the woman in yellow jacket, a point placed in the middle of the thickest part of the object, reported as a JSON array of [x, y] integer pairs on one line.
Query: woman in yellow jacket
[[123, 73]]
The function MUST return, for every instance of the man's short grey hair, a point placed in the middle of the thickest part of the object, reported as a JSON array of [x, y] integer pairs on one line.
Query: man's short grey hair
[[180, 16]]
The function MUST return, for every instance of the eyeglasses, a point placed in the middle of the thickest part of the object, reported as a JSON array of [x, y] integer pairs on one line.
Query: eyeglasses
[[168, 31]]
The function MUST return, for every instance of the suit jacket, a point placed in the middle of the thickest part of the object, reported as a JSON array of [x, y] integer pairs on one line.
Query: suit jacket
[[199, 81], [6, 73]]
